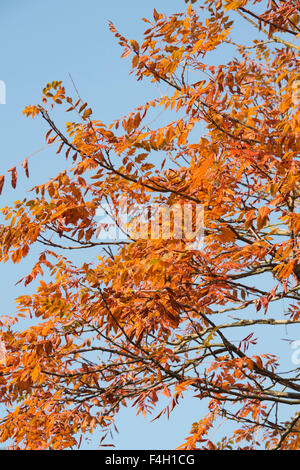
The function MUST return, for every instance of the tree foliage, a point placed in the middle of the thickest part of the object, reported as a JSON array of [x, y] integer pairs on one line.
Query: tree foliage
[[145, 317]]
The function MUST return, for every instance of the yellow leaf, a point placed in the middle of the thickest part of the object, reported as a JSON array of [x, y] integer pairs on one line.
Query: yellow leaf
[[36, 372]]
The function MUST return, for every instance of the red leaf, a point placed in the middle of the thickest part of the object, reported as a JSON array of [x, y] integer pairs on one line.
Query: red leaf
[[14, 176], [25, 166], [2, 178]]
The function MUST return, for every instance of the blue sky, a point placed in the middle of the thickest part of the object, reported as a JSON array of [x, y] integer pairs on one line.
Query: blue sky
[[42, 41]]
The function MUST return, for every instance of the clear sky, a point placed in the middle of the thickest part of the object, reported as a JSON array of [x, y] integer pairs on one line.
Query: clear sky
[[42, 41]]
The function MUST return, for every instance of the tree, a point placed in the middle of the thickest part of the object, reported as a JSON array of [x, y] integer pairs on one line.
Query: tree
[[146, 317]]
